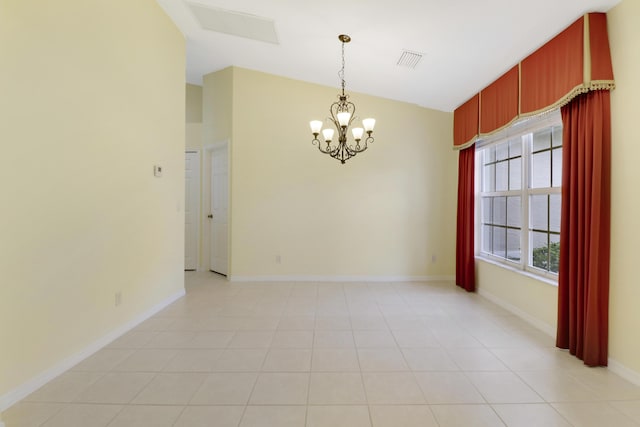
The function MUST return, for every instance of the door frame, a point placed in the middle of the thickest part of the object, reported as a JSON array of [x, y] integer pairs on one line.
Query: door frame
[[198, 152], [206, 203]]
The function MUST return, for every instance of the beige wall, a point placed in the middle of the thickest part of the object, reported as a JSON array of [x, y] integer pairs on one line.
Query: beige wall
[[193, 97], [540, 300], [530, 297], [217, 104], [92, 97], [193, 113], [624, 35], [382, 214]]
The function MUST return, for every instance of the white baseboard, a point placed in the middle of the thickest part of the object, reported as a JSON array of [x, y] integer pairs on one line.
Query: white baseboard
[[626, 373], [544, 327], [334, 279], [613, 365], [25, 389]]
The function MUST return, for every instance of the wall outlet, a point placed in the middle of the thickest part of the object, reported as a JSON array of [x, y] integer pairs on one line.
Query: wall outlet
[[434, 258], [118, 298], [278, 259]]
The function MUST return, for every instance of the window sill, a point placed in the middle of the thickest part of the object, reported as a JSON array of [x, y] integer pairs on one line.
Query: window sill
[[540, 278]]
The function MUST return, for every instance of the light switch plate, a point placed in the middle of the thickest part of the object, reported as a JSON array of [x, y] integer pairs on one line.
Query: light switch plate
[[157, 170]]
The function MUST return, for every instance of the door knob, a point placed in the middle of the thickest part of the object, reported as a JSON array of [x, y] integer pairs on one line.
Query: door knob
[[210, 216]]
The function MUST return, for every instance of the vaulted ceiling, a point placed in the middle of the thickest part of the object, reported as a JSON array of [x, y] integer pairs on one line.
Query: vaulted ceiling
[[465, 44]]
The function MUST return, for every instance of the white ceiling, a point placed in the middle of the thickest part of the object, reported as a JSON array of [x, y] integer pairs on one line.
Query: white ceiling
[[466, 43]]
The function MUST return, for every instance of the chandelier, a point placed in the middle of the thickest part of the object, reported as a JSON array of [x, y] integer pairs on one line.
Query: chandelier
[[342, 117]]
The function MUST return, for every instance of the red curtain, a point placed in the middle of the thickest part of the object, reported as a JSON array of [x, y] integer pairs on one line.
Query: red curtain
[[583, 283], [465, 261]]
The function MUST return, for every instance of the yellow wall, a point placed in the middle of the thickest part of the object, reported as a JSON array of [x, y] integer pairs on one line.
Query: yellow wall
[[193, 129], [217, 103], [624, 34], [382, 214], [193, 135], [540, 300], [92, 97], [531, 298], [193, 98]]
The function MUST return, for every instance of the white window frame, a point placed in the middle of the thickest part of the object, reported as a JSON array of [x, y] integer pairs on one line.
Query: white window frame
[[523, 127]]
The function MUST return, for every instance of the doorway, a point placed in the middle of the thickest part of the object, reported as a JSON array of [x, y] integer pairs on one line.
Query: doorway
[[218, 207], [191, 210]]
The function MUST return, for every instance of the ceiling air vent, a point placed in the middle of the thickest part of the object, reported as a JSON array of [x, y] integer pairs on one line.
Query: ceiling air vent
[[235, 23], [409, 59]]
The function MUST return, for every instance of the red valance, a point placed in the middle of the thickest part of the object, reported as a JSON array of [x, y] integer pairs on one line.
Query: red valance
[[554, 71], [575, 61], [465, 123], [499, 102]]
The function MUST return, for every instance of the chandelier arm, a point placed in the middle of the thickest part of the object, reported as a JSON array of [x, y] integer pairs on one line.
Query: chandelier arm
[[366, 142], [317, 142], [358, 148]]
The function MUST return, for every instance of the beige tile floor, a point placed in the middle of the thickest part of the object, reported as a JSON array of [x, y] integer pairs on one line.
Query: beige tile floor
[[327, 354]]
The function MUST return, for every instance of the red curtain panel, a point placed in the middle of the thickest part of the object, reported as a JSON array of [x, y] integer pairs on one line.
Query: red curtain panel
[[583, 282], [465, 252]]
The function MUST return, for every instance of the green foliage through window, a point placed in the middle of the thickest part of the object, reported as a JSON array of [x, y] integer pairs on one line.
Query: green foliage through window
[[547, 257]]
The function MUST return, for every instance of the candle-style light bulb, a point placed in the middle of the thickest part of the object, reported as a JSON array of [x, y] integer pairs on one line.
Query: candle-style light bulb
[[328, 134], [343, 118], [369, 124], [315, 125]]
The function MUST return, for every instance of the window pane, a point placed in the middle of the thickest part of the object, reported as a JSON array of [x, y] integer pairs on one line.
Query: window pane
[[515, 147], [540, 250], [513, 245], [489, 155], [502, 176], [506, 181], [499, 241], [486, 210], [515, 174], [542, 140], [487, 238], [556, 178], [499, 210], [541, 170], [554, 255], [538, 211], [514, 211], [488, 181], [557, 136], [502, 151], [555, 201]]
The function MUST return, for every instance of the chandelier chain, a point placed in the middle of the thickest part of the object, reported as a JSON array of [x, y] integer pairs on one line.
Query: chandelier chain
[[341, 73]]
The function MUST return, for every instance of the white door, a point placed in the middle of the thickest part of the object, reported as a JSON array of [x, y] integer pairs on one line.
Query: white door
[[191, 209], [218, 214]]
